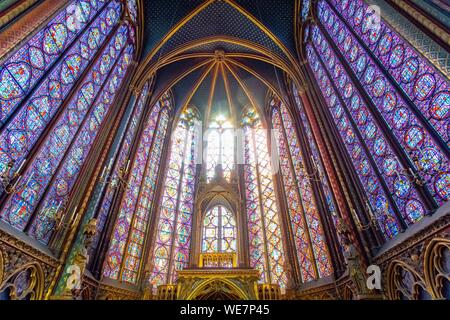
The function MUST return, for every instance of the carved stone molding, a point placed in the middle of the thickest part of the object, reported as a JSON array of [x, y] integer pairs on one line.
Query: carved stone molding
[[107, 292], [436, 266], [417, 239], [340, 289], [414, 269], [89, 288], [17, 256], [199, 283], [326, 292]]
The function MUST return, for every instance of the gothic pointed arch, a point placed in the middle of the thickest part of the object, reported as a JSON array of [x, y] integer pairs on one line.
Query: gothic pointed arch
[[170, 251]]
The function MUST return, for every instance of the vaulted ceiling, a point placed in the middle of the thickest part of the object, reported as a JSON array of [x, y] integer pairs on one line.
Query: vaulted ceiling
[[219, 55]]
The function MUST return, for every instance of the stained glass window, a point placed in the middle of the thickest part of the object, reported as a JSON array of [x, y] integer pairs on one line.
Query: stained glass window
[[47, 182], [219, 230], [173, 234], [132, 9], [29, 63], [265, 238], [28, 115], [399, 112], [378, 199], [306, 4], [317, 163], [220, 148], [390, 106], [128, 239], [307, 229], [120, 164], [375, 139], [425, 87]]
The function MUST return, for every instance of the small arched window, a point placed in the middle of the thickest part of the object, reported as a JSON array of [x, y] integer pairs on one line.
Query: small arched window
[[220, 150], [219, 230]]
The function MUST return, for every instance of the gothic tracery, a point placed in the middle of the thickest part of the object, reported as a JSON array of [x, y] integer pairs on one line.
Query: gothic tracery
[[267, 154]]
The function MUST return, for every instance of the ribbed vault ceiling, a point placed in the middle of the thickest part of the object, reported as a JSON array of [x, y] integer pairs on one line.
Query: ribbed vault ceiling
[[219, 55]]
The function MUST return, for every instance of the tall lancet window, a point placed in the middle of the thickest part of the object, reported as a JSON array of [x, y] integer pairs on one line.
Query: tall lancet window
[[219, 230], [265, 238], [220, 148], [68, 76], [40, 76], [390, 106], [311, 249], [173, 233], [76, 34], [116, 167], [318, 164], [129, 236]]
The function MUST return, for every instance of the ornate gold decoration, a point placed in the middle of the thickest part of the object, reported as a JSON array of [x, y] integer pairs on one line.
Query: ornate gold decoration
[[218, 56], [110, 292], [257, 75], [26, 282], [198, 283], [399, 274], [171, 57], [147, 286], [265, 30], [419, 260], [167, 292], [269, 292], [218, 260], [436, 273], [329, 288], [177, 27], [247, 92], [348, 293], [197, 66], [177, 54], [17, 255], [197, 85], [438, 226]]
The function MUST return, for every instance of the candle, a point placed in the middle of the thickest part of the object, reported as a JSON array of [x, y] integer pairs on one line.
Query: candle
[[21, 165], [358, 222], [128, 166], [75, 214], [110, 164], [370, 210], [103, 173], [313, 162]]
